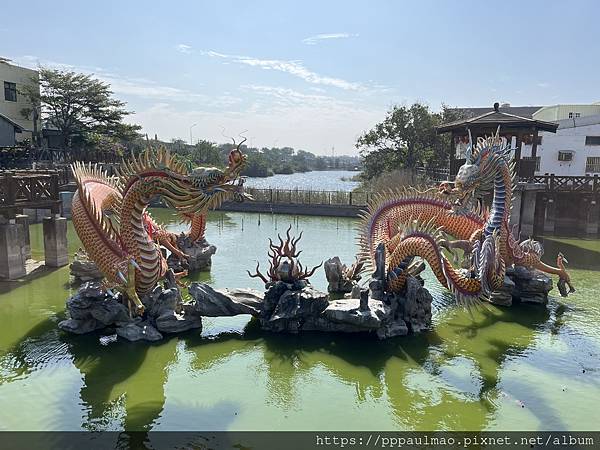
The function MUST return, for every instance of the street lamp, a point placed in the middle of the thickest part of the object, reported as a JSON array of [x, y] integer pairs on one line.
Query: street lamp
[[191, 142]]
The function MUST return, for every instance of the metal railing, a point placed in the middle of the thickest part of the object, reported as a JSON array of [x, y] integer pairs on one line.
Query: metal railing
[[307, 197]]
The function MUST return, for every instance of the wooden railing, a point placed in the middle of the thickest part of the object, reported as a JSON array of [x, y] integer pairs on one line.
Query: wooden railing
[[565, 183], [29, 189]]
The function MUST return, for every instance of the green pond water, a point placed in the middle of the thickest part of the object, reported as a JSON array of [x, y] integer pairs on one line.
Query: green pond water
[[521, 368]]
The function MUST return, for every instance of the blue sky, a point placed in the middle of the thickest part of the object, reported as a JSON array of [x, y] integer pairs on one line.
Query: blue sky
[[312, 75]]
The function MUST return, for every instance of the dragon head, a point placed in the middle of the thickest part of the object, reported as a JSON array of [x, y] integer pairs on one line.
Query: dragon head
[[187, 190], [476, 176]]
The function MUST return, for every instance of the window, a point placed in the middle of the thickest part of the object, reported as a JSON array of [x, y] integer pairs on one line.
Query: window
[[574, 115], [592, 140], [566, 155], [577, 115], [592, 164], [570, 115], [10, 91]]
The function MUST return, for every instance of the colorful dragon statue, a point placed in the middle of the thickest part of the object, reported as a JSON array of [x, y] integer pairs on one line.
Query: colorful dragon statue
[[109, 213], [410, 224]]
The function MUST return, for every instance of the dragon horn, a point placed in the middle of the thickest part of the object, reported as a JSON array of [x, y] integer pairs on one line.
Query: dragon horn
[[121, 276], [135, 264]]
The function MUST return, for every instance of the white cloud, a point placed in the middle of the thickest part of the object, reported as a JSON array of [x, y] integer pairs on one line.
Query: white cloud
[[278, 115], [137, 87], [313, 40], [543, 84], [184, 48], [295, 68]]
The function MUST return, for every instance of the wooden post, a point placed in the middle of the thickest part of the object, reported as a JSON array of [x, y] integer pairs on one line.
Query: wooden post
[[518, 152], [534, 143], [452, 153]]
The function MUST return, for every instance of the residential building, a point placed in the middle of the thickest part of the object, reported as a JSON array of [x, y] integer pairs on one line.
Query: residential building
[[575, 147], [13, 79], [573, 150], [556, 113]]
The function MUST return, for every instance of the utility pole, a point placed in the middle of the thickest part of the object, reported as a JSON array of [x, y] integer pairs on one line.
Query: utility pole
[[191, 141]]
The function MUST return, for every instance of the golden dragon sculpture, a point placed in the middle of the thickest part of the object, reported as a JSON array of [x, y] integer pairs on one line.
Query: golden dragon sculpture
[[409, 224], [109, 213]]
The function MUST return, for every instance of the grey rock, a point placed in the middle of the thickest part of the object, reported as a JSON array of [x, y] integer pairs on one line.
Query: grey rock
[[300, 304], [171, 322], [356, 291], [347, 311], [503, 296], [139, 331], [414, 306], [83, 269], [272, 295], [200, 255], [334, 272], [393, 329], [524, 285], [210, 302], [161, 300], [79, 326]]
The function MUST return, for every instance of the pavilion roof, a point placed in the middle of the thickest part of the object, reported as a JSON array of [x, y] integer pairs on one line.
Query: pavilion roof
[[495, 117]]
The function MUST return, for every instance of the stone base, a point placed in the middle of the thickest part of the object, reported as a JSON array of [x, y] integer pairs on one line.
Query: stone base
[[92, 308], [298, 307], [523, 285], [200, 255]]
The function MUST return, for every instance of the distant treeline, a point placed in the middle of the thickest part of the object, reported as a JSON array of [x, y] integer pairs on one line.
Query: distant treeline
[[265, 161]]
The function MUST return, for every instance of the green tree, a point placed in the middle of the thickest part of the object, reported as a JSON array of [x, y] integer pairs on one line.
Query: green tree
[[406, 138], [206, 153], [79, 106]]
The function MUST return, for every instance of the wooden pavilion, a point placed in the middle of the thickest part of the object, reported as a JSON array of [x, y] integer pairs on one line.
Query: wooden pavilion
[[525, 129]]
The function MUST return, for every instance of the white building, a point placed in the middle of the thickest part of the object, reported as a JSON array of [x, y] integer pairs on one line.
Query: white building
[[575, 147], [12, 101], [573, 150]]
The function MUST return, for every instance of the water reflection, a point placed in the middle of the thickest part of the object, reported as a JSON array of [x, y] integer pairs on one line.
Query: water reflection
[[501, 367]]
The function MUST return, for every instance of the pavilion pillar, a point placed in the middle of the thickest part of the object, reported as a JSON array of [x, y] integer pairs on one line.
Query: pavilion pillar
[[549, 215], [515, 212], [22, 220], [12, 262], [528, 199], [518, 153], [55, 241], [592, 216], [534, 142]]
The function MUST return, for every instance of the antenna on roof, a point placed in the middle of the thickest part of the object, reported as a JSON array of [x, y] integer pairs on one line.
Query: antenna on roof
[[496, 106]]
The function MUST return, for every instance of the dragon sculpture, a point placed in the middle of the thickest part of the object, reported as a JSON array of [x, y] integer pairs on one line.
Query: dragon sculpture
[[407, 225], [109, 213]]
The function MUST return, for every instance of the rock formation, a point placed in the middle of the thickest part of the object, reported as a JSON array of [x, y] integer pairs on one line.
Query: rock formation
[[524, 285], [93, 308], [83, 268], [340, 277], [200, 255]]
